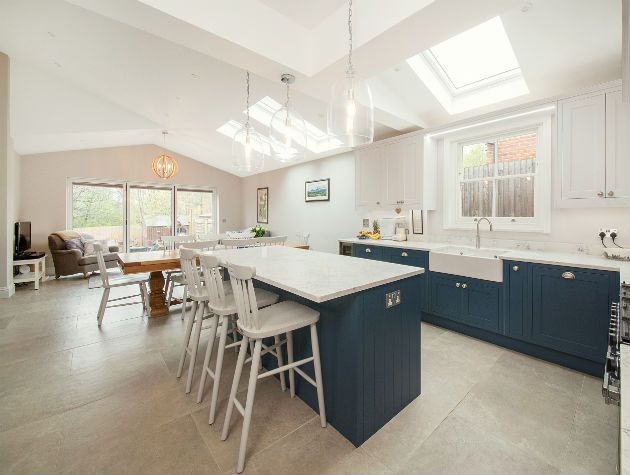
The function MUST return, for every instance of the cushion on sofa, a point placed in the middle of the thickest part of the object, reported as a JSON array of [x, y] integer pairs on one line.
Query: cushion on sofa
[[90, 260], [75, 244]]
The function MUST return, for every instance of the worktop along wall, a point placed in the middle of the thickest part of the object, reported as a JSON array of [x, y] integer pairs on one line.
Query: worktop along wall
[[328, 221], [43, 183]]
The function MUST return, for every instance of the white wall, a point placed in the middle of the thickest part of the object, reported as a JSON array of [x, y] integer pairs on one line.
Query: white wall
[[571, 229], [7, 157], [43, 183]]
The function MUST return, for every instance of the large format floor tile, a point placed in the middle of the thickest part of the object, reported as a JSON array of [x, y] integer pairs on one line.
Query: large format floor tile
[[75, 398]]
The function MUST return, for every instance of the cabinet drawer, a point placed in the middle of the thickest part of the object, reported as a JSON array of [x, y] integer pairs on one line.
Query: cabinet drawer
[[414, 258], [368, 252], [570, 310]]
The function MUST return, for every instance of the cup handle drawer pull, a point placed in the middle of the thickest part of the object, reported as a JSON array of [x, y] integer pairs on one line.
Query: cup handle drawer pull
[[568, 275], [404, 254], [368, 250]]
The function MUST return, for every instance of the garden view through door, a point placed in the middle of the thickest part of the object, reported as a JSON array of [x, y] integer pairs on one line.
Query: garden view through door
[[150, 217], [195, 212]]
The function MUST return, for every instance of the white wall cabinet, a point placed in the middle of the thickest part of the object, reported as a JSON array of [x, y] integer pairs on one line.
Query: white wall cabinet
[[394, 173], [593, 151]]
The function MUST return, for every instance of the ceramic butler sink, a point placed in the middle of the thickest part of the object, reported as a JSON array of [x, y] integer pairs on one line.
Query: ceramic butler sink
[[468, 262]]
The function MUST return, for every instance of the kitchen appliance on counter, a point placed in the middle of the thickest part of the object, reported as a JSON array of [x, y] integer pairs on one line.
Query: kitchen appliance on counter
[[618, 334], [389, 227]]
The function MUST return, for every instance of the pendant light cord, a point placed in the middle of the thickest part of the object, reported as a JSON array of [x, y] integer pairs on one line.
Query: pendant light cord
[[247, 101], [286, 105], [350, 68]]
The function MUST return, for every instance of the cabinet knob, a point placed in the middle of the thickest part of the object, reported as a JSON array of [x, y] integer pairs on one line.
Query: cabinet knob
[[568, 275], [404, 254], [368, 250], [458, 285], [378, 202], [464, 286], [515, 268], [611, 193], [600, 194]]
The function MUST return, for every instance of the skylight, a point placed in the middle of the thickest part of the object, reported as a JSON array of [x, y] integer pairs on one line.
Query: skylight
[[317, 141], [473, 69], [480, 55]]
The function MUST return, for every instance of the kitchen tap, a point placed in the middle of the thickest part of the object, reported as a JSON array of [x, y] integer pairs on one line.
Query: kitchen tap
[[478, 240]]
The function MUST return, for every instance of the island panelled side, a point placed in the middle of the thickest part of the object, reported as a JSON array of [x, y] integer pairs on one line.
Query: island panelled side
[[370, 356]]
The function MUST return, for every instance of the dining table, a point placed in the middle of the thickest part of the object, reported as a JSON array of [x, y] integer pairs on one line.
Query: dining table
[[156, 263]]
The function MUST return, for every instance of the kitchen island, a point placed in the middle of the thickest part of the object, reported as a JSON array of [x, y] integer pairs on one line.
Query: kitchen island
[[369, 330]]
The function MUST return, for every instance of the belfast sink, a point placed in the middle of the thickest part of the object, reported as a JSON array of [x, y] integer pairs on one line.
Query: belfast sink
[[468, 262]]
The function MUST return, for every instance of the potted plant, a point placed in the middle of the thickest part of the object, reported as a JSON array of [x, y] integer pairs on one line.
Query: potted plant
[[258, 231]]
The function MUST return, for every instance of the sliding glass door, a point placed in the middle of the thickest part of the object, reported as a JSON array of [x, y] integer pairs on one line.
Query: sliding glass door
[[97, 210], [137, 215], [150, 217], [195, 212]]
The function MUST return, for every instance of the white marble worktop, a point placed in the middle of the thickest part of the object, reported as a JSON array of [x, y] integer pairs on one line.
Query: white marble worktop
[[585, 261], [316, 276], [624, 435]]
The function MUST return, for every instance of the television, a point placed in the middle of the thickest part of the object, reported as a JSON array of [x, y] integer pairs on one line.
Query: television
[[22, 237]]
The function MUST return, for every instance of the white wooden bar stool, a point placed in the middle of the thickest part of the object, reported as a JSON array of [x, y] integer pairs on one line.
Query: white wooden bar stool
[[271, 241], [200, 297], [179, 279], [134, 279], [223, 305], [254, 325], [171, 243]]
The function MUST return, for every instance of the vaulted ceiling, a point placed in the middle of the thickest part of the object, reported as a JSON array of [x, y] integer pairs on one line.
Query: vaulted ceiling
[[94, 73]]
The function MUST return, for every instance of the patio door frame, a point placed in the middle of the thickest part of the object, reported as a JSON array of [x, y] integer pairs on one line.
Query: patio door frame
[[127, 185]]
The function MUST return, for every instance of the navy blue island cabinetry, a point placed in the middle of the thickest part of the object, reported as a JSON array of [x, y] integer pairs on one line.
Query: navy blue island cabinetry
[[369, 330]]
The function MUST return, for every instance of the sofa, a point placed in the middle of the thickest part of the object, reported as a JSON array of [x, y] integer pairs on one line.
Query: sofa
[[73, 261]]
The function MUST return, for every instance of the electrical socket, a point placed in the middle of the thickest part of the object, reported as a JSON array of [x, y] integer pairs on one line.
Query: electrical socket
[[608, 231]]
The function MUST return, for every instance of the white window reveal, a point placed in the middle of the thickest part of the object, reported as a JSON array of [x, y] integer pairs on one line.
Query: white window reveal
[[500, 174]]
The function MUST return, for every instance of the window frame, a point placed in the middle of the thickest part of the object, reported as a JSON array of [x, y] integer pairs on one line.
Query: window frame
[[127, 185], [541, 124]]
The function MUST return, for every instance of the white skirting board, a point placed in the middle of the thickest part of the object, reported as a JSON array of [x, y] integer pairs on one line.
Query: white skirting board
[[6, 292]]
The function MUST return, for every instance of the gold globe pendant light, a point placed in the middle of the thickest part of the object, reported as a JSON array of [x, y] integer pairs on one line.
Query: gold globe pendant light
[[164, 166], [248, 145], [351, 109], [287, 130]]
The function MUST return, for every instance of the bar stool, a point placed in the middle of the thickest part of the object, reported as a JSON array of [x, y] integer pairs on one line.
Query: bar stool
[[224, 306], [179, 279], [200, 297], [254, 325]]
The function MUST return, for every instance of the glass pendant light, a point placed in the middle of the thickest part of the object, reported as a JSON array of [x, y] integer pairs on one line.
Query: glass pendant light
[[164, 166], [351, 110], [248, 146], [287, 130]]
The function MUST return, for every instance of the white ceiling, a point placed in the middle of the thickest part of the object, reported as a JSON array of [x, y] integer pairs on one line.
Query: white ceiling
[[88, 73], [307, 13]]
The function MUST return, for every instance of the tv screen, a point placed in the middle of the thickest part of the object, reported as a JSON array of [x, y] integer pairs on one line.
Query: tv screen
[[22, 236]]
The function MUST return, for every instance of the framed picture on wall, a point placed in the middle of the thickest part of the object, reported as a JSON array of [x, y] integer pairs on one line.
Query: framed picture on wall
[[262, 205], [317, 190], [417, 224]]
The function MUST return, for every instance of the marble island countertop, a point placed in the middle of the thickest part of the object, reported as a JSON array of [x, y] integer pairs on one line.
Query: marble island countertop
[[586, 261], [316, 276]]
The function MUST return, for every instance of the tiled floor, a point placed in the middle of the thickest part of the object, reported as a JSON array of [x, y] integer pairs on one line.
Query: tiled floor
[[78, 399]]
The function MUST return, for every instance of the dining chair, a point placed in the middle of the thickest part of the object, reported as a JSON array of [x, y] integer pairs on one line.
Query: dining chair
[[271, 241], [255, 325], [200, 295], [237, 243], [117, 282], [179, 279]]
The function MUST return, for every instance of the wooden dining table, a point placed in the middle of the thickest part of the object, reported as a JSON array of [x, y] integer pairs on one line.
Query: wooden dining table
[[155, 263]]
